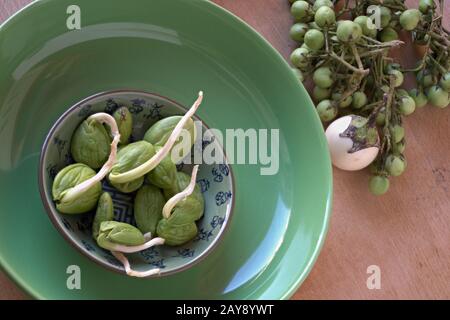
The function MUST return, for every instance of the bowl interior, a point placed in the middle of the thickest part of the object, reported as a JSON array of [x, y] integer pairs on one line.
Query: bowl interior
[[215, 181]]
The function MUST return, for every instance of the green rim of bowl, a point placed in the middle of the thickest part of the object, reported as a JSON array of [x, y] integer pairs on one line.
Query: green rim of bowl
[[312, 114]]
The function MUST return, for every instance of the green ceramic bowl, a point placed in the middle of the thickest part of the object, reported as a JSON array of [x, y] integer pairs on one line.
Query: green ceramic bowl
[[173, 48], [214, 180]]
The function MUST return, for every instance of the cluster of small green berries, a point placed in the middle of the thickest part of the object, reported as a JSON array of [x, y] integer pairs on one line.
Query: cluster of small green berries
[[345, 53], [433, 70]]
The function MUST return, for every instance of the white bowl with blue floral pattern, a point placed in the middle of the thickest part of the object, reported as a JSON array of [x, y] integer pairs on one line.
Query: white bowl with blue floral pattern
[[215, 180]]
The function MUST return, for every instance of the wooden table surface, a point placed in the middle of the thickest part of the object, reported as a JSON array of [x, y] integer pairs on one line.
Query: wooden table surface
[[405, 232]]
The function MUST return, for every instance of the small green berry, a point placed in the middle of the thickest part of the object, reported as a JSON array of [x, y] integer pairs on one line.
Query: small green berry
[[381, 117], [359, 100], [399, 148], [388, 34], [438, 97], [397, 132], [419, 97], [344, 103], [325, 17], [367, 26], [300, 10], [298, 74], [445, 81], [406, 105], [322, 3], [401, 92], [409, 19], [326, 110], [378, 185], [323, 77], [395, 165], [299, 57], [320, 94], [397, 76], [425, 5], [348, 31], [298, 31], [314, 39]]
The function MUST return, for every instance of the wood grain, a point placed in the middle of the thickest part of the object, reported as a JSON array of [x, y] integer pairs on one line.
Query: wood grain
[[406, 232]]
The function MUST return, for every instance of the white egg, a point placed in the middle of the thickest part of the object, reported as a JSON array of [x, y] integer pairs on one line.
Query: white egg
[[340, 146]]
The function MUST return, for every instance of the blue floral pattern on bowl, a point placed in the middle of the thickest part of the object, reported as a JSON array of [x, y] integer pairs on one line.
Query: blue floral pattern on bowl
[[214, 180]]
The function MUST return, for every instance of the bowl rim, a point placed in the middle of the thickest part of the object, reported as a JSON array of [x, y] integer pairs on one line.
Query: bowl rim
[[52, 212]]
